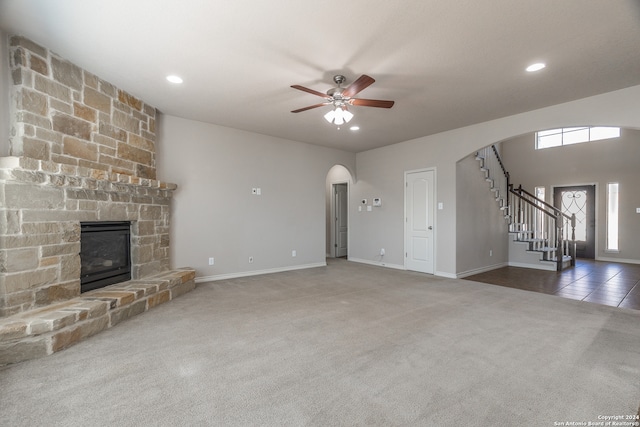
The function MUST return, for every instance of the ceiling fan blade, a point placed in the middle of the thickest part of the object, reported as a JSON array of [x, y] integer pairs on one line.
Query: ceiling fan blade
[[363, 82], [311, 91], [299, 110], [371, 103]]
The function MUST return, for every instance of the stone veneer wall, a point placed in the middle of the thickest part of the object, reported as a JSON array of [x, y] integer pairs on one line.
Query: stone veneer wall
[[64, 114], [81, 150]]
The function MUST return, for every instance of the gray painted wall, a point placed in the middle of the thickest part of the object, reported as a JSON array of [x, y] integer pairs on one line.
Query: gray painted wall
[[5, 82], [216, 167], [214, 212], [600, 162], [482, 231], [381, 173]]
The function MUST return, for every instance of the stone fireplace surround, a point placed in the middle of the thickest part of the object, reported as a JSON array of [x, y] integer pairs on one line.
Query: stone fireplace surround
[[80, 149], [40, 271]]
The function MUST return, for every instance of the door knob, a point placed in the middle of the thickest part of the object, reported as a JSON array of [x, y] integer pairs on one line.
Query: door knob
[[430, 228]]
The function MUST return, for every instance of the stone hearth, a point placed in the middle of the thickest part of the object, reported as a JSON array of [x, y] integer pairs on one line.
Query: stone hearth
[[44, 331]]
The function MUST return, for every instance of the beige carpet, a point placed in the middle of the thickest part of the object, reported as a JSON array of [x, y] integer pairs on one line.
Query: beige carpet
[[348, 344]]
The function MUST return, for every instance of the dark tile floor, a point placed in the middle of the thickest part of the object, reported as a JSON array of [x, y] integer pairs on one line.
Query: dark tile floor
[[608, 283]]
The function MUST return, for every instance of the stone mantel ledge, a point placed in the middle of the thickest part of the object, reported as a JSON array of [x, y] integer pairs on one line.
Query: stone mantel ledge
[[43, 331], [47, 169]]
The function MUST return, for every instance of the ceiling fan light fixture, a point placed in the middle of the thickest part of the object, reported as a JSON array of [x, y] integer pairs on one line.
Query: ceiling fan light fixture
[[339, 116], [339, 98], [330, 116]]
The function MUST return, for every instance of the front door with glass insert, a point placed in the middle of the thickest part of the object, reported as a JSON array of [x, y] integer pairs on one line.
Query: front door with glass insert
[[580, 200]]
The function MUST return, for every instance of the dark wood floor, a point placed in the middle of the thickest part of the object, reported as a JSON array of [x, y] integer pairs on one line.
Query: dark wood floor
[[607, 283]]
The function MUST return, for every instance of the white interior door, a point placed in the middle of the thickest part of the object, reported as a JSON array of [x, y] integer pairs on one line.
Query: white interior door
[[341, 223], [419, 221]]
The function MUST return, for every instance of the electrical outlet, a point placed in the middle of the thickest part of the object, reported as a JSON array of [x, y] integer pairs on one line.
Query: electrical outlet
[[490, 252], [294, 253], [382, 252], [211, 261], [250, 259]]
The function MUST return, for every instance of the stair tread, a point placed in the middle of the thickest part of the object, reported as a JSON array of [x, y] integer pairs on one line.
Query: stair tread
[[564, 258], [544, 249]]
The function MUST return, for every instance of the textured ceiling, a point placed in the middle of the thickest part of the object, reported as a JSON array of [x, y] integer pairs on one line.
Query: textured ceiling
[[447, 64]]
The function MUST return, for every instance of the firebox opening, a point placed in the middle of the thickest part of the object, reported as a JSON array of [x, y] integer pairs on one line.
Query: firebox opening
[[105, 254]]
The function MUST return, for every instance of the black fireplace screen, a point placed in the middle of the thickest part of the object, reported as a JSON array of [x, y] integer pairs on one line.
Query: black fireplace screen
[[105, 254]]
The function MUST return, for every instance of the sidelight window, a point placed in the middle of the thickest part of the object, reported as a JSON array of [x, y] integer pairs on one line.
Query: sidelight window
[[612, 217]]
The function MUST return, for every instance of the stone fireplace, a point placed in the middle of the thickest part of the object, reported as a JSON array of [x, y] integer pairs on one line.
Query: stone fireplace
[[81, 150], [105, 253]]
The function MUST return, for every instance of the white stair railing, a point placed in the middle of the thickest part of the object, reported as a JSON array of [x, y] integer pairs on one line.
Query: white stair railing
[[544, 227]]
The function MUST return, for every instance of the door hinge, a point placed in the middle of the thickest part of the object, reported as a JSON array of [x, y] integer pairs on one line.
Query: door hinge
[[335, 245], [406, 254]]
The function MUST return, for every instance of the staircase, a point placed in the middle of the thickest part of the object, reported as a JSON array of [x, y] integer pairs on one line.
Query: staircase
[[540, 235]]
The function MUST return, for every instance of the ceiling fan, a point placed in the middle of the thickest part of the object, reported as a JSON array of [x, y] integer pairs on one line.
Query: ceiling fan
[[341, 97]]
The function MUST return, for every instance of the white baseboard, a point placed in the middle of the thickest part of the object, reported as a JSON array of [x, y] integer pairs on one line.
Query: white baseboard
[[378, 263], [481, 270], [623, 260], [398, 267], [446, 275], [257, 272]]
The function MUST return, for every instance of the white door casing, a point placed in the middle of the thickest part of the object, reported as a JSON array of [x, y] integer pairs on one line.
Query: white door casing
[[419, 220]]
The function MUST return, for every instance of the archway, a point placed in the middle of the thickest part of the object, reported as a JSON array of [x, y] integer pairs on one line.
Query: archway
[[337, 190], [478, 222]]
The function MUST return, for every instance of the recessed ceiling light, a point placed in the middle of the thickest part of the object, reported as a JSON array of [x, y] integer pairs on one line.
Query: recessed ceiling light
[[174, 79], [535, 67], [355, 128]]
